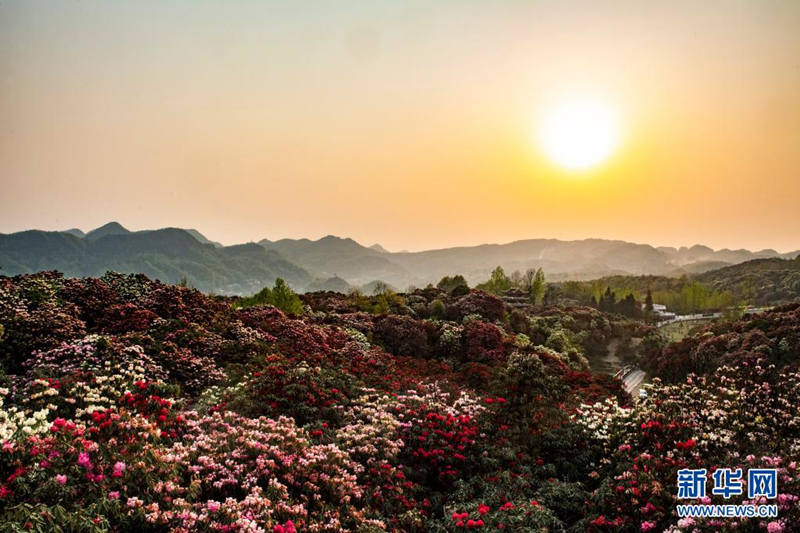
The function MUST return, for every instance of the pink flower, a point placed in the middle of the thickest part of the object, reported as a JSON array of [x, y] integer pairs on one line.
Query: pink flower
[[775, 527], [113, 495], [61, 479], [119, 468], [84, 460], [213, 506], [647, 526], [133, 501]]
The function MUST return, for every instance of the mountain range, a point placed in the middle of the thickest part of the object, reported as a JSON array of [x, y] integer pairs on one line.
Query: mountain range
[[335, 263]]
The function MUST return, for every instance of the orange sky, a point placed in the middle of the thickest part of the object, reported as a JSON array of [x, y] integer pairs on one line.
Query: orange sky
[[411, 124]]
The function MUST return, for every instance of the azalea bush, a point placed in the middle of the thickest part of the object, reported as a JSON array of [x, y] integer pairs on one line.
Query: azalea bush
[[131, 405]]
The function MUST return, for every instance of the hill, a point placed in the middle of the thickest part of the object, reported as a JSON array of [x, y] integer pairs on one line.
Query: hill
[[761, 281], [577, 260], [352, 264], [112, 228], [334, 284], [334, 256], [168, 254], [131, 405], [75, 231]]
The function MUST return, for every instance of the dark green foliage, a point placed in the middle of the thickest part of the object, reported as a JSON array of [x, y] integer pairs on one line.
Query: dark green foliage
[[169, 255], [454, 285], [280, 296], [498, 282]]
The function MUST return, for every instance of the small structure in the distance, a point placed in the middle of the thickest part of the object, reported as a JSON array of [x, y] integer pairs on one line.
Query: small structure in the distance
[[516, 298], [660, 311]]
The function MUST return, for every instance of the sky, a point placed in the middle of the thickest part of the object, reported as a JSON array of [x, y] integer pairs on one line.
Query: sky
[[411, 124]]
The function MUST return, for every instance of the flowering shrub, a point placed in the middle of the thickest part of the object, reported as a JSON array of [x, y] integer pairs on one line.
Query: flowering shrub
[[774, 335], [130, 405], [487, 306]]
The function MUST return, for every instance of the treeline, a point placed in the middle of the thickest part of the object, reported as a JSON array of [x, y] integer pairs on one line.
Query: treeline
[[281, 296], [631, 296], [679, 295], [531, 282]]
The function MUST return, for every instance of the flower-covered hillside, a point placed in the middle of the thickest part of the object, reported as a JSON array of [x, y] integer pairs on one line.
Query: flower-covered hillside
[[130, 405]]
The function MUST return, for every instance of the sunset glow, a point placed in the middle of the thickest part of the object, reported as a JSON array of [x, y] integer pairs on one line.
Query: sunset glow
[[455, 123], [579, 133]]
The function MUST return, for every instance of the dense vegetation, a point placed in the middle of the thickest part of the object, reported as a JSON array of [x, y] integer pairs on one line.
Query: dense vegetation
[[168, 254], [132, 405], [760, 282], [334, 263]]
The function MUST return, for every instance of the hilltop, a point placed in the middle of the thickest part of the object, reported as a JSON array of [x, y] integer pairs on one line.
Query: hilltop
[[172, 254]]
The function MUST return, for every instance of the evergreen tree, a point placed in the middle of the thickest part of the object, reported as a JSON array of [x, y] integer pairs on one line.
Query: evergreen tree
[[454, 285], [538, 287], [281, 296], [498, 282], [285, 299]]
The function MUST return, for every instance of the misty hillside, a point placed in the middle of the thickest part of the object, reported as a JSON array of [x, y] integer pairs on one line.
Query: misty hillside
[[761, 281], [335, 263], [168, 254], [582, 260], [345, 258]]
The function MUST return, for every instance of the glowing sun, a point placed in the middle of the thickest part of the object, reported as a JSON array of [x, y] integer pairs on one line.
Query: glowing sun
[[579, 133]]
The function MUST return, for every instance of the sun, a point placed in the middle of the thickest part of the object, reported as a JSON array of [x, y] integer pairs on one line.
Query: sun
[[578, 133]]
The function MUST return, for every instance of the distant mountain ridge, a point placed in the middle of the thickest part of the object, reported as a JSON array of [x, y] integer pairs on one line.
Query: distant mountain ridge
[[583, 259], [336, 263], [169, 254]]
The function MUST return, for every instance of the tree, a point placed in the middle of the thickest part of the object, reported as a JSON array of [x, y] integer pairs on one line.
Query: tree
[[380, 288], [281, 296], [498, 282], [285, 299], [538, 287], [607, 301], [454, 285], [628, 306], [648, 305]]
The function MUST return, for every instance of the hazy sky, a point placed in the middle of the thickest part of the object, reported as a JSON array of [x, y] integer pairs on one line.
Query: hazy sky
[[411, 124]]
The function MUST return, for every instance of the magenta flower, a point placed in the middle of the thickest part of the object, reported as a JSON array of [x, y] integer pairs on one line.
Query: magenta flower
[[84, 460], [119, 468], [61, 479], [775, 527]]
